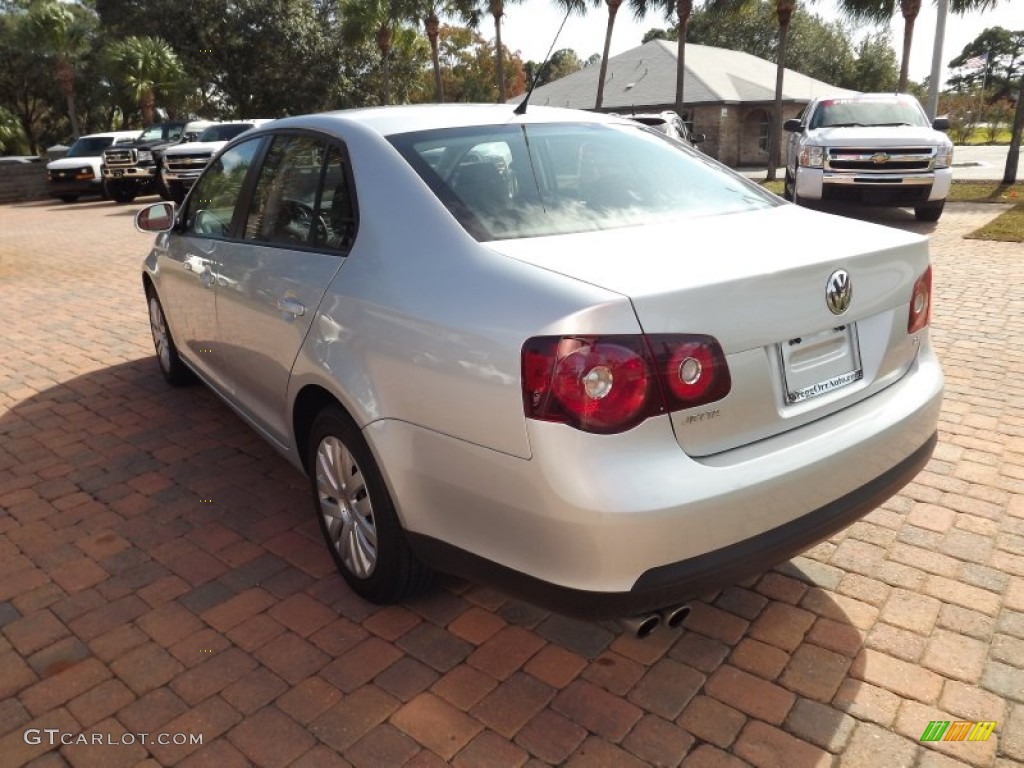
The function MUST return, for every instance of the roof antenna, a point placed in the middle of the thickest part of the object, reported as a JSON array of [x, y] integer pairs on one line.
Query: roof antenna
[[521, 109]]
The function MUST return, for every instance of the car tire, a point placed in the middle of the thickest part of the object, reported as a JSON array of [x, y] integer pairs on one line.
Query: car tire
[[356, 514], [121, 193], [174, 370], [930, 212], [69, 198], [786, 193]]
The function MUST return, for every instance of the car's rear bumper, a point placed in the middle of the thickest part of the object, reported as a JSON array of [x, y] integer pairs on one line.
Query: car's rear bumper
[[601, 525], [675, 583]]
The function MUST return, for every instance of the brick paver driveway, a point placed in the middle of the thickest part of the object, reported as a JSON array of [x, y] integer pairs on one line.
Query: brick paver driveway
[[161, 573]]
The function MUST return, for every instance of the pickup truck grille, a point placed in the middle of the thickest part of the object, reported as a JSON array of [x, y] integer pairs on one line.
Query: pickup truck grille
[[870, 160], [189, 162], [120, 157]]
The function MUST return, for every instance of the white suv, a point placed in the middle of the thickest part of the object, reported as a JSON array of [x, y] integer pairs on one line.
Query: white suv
[[874, 148], [78, 172]]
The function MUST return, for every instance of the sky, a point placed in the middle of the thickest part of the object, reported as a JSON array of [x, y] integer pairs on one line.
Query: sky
[[530, 27]]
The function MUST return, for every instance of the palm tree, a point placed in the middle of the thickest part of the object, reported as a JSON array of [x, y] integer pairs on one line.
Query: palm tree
[[146, 65], [63, 31], [683, 10], [429, 12], [362, 19], [783, 12], [883, 10], [496, 8], [639, 11]]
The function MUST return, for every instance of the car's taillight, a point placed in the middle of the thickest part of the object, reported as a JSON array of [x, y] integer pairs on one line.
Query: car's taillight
[[920, 303], [609, 384]]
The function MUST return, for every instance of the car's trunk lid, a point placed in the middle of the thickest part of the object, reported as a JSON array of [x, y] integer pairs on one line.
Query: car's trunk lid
[[758, 283]]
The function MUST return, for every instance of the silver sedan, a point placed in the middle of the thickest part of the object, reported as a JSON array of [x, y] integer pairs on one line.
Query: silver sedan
[[554, 351]]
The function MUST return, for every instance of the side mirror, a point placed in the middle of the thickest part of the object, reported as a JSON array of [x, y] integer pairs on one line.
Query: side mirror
[[155, 218], [697, 138], [793, 125], [940, 123]]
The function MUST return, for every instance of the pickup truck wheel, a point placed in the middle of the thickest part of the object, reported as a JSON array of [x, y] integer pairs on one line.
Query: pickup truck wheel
[[121, 193], [164, 190], [69, 198], [176, 190], [929, 212], [788, 187], [356, 514]]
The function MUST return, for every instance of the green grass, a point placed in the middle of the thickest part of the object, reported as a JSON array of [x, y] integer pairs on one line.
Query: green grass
[[986, 192], [980, 137], [1008, 227]]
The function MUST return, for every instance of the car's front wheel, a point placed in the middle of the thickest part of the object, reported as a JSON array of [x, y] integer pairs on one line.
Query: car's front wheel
[[171, 366], [356, 514], [69, 198], [930, 212]]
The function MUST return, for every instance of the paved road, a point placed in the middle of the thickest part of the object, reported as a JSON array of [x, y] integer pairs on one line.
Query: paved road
[[160, 573]]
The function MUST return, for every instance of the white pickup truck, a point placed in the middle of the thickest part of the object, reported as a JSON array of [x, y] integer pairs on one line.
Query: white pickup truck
[[873, 148]]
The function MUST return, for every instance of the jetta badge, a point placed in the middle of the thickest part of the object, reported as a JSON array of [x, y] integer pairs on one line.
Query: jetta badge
[[838, 292]]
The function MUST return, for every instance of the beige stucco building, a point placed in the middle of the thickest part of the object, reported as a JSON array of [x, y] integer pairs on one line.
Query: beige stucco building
[[728, 95]]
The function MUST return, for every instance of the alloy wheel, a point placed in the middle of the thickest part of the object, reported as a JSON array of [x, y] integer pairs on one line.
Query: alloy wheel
[[161, 339], [346, 507]]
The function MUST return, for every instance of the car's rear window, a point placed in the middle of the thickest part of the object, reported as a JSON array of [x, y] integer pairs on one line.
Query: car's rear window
[[504, 182]]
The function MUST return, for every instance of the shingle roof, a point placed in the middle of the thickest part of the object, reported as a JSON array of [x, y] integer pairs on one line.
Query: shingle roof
[[646, 76]]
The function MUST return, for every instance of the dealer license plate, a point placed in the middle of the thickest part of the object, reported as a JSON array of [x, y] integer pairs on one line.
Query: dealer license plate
[[820, 363]]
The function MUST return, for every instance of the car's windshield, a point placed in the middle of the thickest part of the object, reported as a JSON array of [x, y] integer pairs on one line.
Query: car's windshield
[[224, 132], [90, 146], [504, 182], [863, 112], [169, 131]]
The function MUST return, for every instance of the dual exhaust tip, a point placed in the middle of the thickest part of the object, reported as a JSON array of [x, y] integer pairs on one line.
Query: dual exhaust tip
[[643, 625]]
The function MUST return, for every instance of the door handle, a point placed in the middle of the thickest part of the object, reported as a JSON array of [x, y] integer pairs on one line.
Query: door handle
[[291, 307]]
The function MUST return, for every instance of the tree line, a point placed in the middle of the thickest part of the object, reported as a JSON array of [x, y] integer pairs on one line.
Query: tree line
[[74, 67]]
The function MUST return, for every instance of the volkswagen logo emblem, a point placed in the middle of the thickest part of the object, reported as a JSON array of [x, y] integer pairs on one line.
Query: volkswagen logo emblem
[[838, 292]]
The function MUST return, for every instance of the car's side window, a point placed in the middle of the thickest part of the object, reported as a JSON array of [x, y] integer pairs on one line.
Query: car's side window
[[284, 203], [337, 207], [303, 196], [212, 204]]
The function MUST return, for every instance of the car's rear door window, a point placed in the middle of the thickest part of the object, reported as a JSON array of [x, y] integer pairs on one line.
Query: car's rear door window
[[302, 196]]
